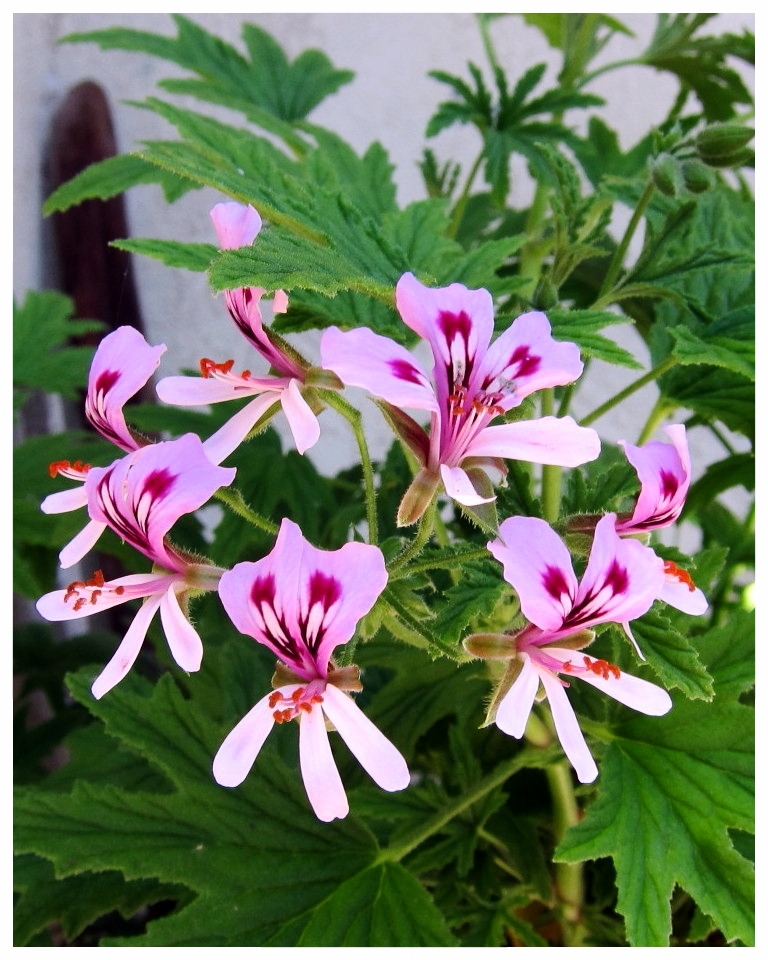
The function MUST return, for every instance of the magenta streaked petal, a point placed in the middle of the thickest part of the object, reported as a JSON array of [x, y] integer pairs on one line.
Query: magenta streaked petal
[[525, 358], [640, 695], [680, 596], [236, 224], [122, 365], [79, 545], [318, 768], [302, 421], [229, 437], [65, 500], [513, 711], [459, 487], [378, 757], [183, 640], [537, 564], [558, 441], [621, 581], [568, 731], [128, 650], [238, 752], [664, 472], [361, 358]]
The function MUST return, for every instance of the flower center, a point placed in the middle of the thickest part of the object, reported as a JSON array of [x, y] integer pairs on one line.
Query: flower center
[[301, 700], [82, 592]]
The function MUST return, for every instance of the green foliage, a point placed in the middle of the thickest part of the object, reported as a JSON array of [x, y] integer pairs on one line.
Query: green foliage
[[130, 842]]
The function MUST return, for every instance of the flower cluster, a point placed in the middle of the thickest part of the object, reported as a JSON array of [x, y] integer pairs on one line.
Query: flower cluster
[[302, 603]]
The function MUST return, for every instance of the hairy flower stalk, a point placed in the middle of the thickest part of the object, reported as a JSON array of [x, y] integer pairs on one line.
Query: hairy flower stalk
[[301, 603], [473, 382], [140, 497]]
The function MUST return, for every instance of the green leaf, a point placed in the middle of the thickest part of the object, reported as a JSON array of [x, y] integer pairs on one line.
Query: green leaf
[[582, 328], [186, 256], [733, 354], [671, 789], [673, 657], [385, 906]]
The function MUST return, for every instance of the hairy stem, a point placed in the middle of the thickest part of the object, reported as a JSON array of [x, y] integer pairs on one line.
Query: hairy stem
[[234, 500], [633, 387]]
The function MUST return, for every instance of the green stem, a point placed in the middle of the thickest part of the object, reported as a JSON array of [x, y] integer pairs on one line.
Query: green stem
[[569, 877], [605, 68], [234, 500], [638, 384], [485, 35], [461, 203], [655, 417], [423, 533], [456, 559], [621, 251], [551, 476], [355, 419]]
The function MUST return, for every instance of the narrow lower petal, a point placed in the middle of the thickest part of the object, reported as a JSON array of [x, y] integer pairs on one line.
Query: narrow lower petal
[[183, 640], [557, 441], [459, 487], [633, 692], [63, 604], [302, 421], [318, 768], [229, 437], [65, 500], [514, 710], [79, 545], [195, 391], [568, 731], [238, 752], [681, 597], [377, 756], [128, 650]]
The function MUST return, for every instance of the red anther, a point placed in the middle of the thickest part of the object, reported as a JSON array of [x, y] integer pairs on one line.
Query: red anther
[[602, 668], [75, 587], [306, 707], [567, 667], [95, 596], [119, 591], [245, 374], [297, 694], [672, 570], [61, 466], [79, 603], [274, 698], [209, 367], [316, 698], [56, 466], [97, 580]]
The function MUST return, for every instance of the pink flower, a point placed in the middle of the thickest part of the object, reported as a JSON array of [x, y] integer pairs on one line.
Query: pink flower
[[621, 581], [473, 382], [140, 497], [664, 471], [301, 603], [237, 226]]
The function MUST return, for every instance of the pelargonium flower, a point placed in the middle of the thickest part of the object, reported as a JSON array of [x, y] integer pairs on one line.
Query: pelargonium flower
[[621, 581], [140, 497], [664, 471], [121, 366], [473, 382], [301, 603], [237, 226]]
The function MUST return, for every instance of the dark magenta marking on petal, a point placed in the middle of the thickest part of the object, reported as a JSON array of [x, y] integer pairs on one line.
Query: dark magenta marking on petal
[[324, 590], [159, 482], [455, 325], [263, 590], [555, 582], [404, 370], [617, 578], [669, 484], [106, 380], [527, 363]]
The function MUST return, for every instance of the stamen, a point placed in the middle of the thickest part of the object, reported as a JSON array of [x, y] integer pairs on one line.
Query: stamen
[[208, 368], [75, 470], [602, 668], [672, 570], [77, 591], [296, 702]]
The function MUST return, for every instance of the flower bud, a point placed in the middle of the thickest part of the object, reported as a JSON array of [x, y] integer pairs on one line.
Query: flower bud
[[490, 646], [720, 143], [666, 175], [696, 175], [418, 497]]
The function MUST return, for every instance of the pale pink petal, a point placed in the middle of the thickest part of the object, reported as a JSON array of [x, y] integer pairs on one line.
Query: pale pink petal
[[122, 365], [680, 596], [229, 437], [633, 692], [128, 650], [183, 640], [65, 500], [568, 731], [513, 711], [459, 487], [302, 421], [361, 358], [524, 359], [238, 752], [79, 545], [318, 768], [280, 302], [537, 564], [621, 581], [664, 472], [236, 224], [378, 757], [53, 606], [194, 391], [558, 441]]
